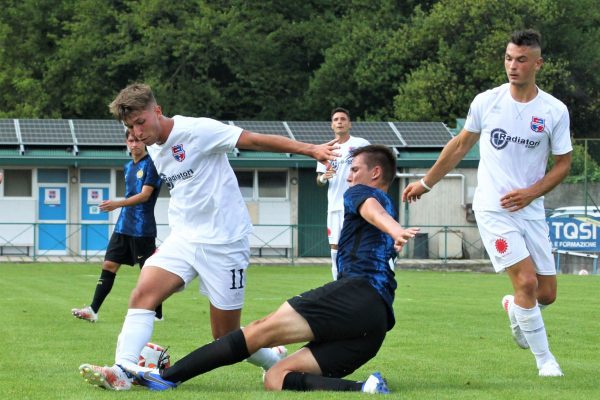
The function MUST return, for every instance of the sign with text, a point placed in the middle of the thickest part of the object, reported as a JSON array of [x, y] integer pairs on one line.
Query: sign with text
[[576, 234]]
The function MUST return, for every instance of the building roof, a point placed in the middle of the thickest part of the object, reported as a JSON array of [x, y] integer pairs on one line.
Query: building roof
[[82, 142]]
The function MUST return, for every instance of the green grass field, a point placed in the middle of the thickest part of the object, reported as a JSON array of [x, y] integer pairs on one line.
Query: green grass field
[[451, 340]]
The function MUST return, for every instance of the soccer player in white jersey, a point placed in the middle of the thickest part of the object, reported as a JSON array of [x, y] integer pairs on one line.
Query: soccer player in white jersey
[[335, 176], [518, 126], [208, 218]]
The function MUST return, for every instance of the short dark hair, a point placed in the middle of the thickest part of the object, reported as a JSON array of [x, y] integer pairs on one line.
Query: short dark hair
[[128, 132], [527, 37], [378, 155], [340, 109]]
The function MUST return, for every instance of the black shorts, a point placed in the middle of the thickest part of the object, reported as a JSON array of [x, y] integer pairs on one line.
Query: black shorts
[[129, 250], [349, 321]]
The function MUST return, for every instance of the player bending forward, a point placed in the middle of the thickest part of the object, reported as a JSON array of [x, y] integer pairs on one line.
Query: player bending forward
[[208, 218], [344, 321]]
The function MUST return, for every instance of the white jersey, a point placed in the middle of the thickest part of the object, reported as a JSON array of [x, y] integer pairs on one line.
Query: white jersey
[[206, 204], [338, 184], [515, 141]]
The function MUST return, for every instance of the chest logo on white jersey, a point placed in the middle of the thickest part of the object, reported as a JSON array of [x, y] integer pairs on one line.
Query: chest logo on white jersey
[[178, 152], [500, 139], [537, 124]]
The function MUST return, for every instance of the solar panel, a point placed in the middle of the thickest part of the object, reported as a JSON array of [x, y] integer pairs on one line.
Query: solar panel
[[311, 131], [8, 135], [376, 133], [45, 132], [268, 127], [424, 134], [99, 132]]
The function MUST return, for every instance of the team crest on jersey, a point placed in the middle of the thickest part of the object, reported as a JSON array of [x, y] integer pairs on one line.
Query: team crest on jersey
[[537, 124], [178, 152], [140, 173]]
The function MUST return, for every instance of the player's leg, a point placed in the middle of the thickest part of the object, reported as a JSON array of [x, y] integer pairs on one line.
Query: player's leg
[[222, 269], [529, 316], [281, 327], [117, 253], [154, 285], [335, 220], [143, 248]]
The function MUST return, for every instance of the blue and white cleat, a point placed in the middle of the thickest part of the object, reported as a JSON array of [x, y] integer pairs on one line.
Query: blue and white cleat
[[152, 380], [375, 384]]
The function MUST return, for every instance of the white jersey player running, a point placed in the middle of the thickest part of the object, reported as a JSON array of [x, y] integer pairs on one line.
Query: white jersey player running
[[335, 175], [518, 125], [208, 219]]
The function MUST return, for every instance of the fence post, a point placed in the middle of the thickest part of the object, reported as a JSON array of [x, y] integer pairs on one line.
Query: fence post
[[445, 244]]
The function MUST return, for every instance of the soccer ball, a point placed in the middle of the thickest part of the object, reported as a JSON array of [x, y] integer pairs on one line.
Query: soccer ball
[[154, 356], [583, 272]]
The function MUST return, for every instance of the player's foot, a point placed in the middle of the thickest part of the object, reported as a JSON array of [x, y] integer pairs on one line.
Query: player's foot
[[85, 313], [508, 302], [151, 378], [551, 368], [375, 384], [113, 378]]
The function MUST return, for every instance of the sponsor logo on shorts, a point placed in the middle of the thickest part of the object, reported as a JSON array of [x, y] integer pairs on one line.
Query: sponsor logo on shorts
[[500, 139], [501, 246]]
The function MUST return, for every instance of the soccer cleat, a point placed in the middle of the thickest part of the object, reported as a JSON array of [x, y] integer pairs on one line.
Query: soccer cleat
[[112, 378], [151, 379], [375, 384], [507, 302], [551, 368], [85, 313]]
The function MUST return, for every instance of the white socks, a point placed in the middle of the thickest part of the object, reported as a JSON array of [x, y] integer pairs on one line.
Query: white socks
[[334, 271], [532, 325], [136, 332]]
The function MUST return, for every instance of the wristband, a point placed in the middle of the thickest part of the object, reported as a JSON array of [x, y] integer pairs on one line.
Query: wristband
[[322, 178], [422, 181]]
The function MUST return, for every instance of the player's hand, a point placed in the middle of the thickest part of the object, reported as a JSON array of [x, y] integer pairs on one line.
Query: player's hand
[[516, 199], [403, 236], [326, 152], [107, 205], [330, 173], [413, 192]]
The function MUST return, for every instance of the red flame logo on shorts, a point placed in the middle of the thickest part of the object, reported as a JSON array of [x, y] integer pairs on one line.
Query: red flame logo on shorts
[[501, 245]]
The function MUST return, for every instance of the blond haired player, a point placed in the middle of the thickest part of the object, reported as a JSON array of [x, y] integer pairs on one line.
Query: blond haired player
[[208, 218]]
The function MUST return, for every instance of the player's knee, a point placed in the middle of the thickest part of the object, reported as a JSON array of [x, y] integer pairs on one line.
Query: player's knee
[[527, 284], [547, 298], [274, 378]]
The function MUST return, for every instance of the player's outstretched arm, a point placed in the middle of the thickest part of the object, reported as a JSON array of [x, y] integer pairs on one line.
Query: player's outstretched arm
[[454, 151], [376, 215], [261, 142], [142, 197]]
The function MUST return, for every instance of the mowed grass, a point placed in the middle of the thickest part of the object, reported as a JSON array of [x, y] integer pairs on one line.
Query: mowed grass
[[451, 340]]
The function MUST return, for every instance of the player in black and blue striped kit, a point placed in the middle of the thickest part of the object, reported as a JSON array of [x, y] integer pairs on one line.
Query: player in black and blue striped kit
[[134, 237], [344, 321]]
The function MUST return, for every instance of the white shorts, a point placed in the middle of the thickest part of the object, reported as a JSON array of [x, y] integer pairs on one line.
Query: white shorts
[[509, 239], [221, 268], [335, 219]]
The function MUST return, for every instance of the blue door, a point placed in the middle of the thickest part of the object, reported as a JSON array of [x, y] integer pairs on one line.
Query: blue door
[[52, 218], [94, 223]]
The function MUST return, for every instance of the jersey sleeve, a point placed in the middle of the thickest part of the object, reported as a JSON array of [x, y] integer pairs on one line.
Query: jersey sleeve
[[151, 177], [217, 137], [355, 196], [473, 122], [561, 135]]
